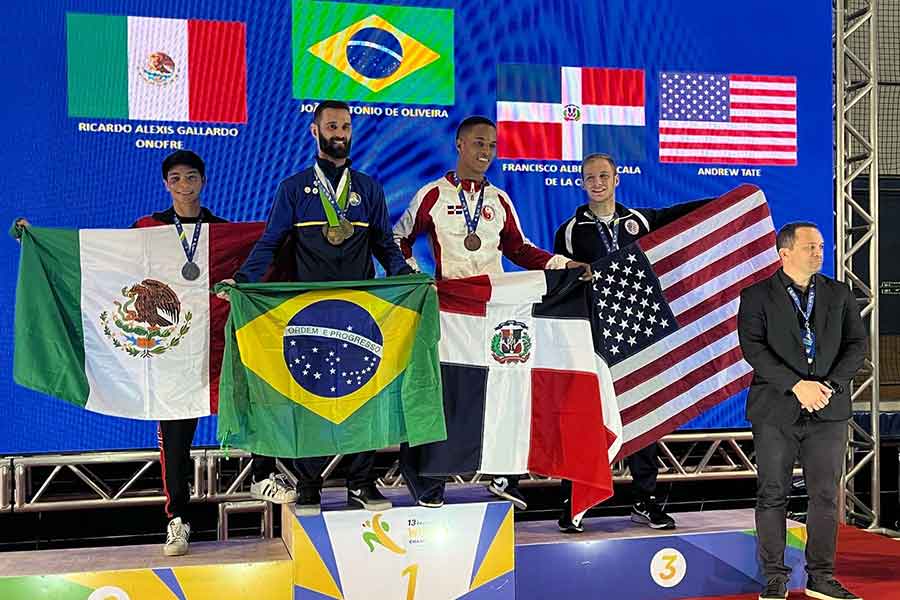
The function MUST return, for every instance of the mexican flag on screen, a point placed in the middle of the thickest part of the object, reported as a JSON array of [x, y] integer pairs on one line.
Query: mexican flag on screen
[[156, 69], [106, 321]]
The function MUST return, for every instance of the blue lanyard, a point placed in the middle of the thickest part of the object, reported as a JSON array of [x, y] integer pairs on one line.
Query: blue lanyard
[[188, 252], [471, 222], [609, 234], [809, 336], [334, 196]]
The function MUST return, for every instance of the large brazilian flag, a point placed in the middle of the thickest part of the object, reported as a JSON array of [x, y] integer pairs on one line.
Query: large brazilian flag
[[312, 369]]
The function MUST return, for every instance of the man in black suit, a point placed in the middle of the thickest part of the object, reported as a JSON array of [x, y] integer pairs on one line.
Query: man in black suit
[[803, 335]]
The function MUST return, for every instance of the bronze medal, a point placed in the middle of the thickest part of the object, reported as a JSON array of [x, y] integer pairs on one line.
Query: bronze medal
[[334, 235], [472, 242], [346, 227]]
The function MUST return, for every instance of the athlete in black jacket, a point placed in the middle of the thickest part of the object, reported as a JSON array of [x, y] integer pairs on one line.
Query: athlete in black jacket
[[598, 228]]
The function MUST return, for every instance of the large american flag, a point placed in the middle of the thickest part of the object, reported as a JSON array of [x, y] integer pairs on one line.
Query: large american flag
[[666, 312], [727, 119]]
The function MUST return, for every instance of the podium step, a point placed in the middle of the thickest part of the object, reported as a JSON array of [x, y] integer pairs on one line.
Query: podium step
[[233, 570]]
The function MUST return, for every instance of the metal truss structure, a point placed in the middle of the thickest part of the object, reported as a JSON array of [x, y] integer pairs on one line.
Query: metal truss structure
[[856, 232], [65, 482]]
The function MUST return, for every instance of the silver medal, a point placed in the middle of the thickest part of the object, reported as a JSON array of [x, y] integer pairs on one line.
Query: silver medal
[[190, 270]]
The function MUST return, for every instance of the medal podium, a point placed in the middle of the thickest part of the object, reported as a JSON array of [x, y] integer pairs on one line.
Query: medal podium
[[469, 549]]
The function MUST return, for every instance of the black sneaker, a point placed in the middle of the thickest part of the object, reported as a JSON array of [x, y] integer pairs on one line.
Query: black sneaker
[[435, 500], [504, 488], [829, 589], [566, 523], [649, 513], [368, 497], [776, 589], [309, 502]]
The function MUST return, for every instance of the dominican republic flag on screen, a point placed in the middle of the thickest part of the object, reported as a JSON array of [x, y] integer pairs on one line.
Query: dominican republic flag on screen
[[665, 313], [549, 112], [524, 390]]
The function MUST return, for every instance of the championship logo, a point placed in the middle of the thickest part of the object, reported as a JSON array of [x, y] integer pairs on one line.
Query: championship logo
[[159, 69], [511, 343], [377, 533], [332, 348], [148, 321]]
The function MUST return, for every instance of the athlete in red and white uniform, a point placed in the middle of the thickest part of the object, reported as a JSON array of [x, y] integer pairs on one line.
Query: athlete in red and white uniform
[[436, 211], [467, 240]]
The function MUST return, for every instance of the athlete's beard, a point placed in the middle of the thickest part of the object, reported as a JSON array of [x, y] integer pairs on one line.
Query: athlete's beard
[[333, 150]]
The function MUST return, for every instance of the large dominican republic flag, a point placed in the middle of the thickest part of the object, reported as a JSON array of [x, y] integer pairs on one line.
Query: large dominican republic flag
[[727, 119], [549, 112], [524, 390], [666, 312]]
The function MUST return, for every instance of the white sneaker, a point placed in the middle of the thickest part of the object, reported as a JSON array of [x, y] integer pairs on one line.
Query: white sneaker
[[177, 535], [275, 489]]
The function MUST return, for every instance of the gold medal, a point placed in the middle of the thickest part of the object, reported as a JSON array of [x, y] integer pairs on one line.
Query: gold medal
[[346, 227], [333, 234]]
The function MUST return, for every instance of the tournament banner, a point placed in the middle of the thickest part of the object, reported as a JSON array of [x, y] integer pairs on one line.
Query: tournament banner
[[106, 319], [463, 551], [313, 369]]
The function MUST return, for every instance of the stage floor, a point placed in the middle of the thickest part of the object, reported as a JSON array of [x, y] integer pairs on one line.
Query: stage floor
[[595, 528], [145, 556]]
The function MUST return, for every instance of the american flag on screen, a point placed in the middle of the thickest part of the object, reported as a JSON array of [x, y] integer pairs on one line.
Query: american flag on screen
[[727, 119], [666, 308]]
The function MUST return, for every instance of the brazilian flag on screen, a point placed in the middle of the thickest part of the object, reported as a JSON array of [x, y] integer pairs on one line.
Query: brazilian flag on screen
[[372, 53], [312, 369]]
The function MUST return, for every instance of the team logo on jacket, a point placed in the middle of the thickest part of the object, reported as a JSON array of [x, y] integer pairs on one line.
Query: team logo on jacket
[[332, 347], [159, 69], [632, 227], [354, 199], [487, 213], [511, 342], [147, 321]]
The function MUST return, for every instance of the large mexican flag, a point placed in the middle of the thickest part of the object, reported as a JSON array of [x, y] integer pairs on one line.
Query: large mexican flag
[[105, 319], [313, 369]]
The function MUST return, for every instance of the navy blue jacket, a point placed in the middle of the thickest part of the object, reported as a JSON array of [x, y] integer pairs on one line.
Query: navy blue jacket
[[297, 218]]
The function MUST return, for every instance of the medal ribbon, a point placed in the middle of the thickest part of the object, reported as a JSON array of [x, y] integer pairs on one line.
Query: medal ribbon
[[471, 222], [609, 233], [334, 203], [188, 251], [809, 337]]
